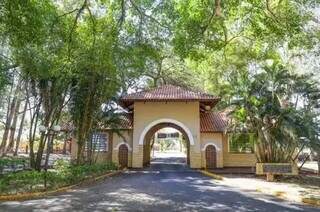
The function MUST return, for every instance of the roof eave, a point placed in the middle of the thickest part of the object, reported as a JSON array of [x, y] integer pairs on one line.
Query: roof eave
[[126, 103]]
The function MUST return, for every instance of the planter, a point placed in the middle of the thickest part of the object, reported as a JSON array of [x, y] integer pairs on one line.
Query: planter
[[276, 169]]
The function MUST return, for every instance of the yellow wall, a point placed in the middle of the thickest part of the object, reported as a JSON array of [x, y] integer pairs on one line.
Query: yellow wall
[[188, 114], [99, 156], [215, 138], [184, 112], [236, 159]]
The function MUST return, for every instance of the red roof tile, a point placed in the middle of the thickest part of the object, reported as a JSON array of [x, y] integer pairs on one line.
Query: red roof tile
[[167, 93], [126, 121], [213, 122]]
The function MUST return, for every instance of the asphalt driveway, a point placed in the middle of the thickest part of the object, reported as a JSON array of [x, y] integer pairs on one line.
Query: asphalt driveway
[[163, 188]]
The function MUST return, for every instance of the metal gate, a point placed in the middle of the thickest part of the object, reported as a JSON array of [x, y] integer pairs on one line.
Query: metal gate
[[211, 157], [123, 156]]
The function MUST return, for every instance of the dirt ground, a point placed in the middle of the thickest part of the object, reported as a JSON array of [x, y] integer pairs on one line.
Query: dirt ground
[[292, 188]]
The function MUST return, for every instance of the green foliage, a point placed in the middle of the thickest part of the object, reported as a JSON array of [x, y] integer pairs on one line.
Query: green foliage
[[90, 52], [266, 104], [63, 175], [24, 181], [12, 161], [4, 75], [24, 22], [222, 46], [242, 142], [95, 76], [201, 28]]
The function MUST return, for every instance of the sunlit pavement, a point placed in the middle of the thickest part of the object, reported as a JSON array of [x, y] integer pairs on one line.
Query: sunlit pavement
[[310, 166], [161, 187]]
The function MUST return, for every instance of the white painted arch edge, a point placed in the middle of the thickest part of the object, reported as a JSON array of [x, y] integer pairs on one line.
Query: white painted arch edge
[[209, 144], [166, 120], [119, 144]]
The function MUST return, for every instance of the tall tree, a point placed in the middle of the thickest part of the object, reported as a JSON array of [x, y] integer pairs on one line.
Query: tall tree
[[266, 104]]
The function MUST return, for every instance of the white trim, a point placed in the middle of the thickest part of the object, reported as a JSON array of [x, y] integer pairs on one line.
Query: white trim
[[119, 144], [208, 144], [165, 120]]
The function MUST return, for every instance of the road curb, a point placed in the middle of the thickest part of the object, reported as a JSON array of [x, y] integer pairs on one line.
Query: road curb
[[210, 174], [33, 195], [311, 201]]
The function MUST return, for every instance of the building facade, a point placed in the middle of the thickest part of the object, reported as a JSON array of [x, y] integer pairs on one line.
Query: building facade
[[191, 112]]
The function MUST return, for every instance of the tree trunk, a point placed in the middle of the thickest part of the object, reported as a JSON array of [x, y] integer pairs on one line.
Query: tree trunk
[[8, 123], [43, 140], [64, 150], [49, 149], [217, 11], [318, 159], [80, 157], [318, 165], [7, 128], [32, 133], [10, 114], [13, 127], [20, 128]]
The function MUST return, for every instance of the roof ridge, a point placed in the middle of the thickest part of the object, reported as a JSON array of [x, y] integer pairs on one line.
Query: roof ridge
[[194, 94], [188, 89]]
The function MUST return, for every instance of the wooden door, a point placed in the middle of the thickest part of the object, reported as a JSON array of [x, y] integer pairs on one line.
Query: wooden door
[[211, 157], [123, 156]]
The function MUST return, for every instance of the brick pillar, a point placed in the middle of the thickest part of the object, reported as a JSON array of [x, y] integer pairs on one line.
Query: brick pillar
[[137, 157], [203, 159], [195, 157], [130, 159], [115, 158]]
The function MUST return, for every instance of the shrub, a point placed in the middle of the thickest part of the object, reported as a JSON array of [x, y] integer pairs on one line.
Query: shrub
[[63, 174], [13, 161], [21, 181]]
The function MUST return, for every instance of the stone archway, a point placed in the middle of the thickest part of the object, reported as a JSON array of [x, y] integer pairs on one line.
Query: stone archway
[[152, 128], [169, 121]]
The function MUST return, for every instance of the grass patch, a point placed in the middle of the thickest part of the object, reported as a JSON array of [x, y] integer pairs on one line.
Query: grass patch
[[63, 175], [13, 163]]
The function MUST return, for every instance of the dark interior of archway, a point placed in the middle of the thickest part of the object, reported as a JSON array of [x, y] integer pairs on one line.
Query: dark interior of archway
[[147, 147]]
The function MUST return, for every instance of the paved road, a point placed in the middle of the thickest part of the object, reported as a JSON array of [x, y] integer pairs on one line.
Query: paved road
[[162, 188]]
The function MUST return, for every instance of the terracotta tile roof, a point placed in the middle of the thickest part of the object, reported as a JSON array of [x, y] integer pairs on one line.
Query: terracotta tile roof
[[126, 121], [67, 126], [167, 93], [213, 122]]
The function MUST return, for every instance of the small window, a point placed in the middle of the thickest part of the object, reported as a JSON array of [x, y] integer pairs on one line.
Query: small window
[[98, 142], [241, 143]]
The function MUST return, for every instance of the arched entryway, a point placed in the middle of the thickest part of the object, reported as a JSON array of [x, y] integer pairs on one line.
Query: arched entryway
[[149, 136], [211, 157], [123, 155]]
